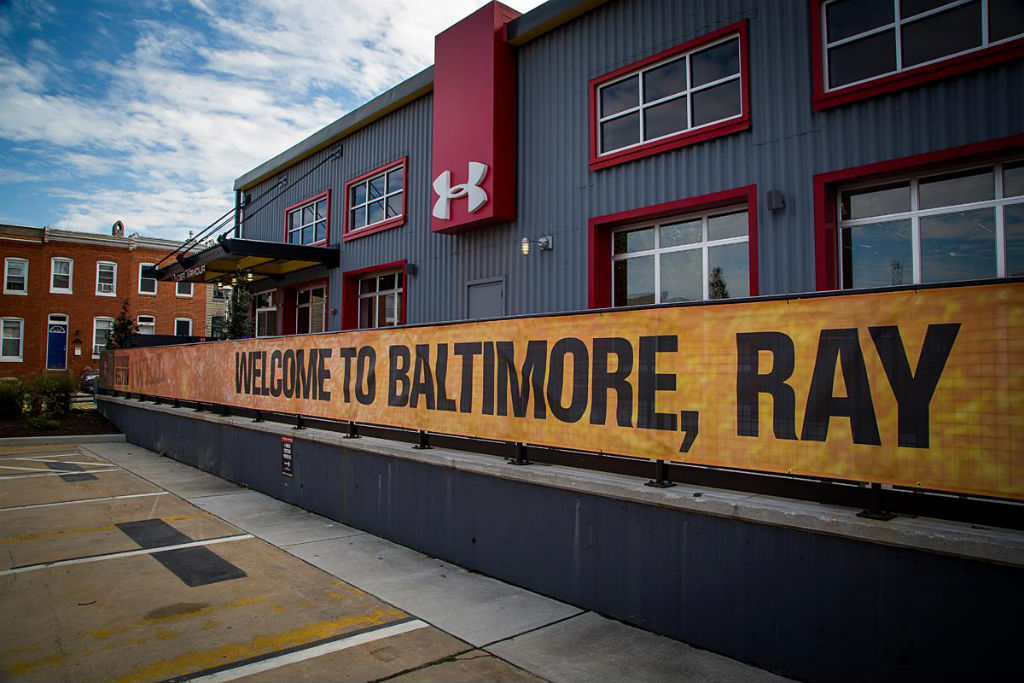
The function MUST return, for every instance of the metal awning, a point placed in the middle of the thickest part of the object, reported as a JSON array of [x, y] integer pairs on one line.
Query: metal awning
[[231, 255]]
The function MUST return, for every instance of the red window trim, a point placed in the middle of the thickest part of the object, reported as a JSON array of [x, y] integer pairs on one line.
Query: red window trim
[[954, 66], [350, 292], [684, 138], [351, 234], [309, 200], [599, 278], [287, 304], [826, 186]]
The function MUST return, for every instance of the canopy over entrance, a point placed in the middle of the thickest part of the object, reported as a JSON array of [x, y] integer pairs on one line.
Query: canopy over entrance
[[253, 259]]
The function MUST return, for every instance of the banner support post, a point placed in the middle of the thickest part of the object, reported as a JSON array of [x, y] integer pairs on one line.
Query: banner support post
[[299, 423], [424, 441], [259, 416], [353, 431], [520, 458], [661, 472], [875, 510]]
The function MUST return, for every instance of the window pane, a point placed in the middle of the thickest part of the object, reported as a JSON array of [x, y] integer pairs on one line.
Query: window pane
[[307, 215], [1014, 226], [878, 255], [847, 18], [358, 194], [665, 118], [682, 273], [729, 271], [630, 241], [958, 246], [366, 310], [861, 59], [667, 79], [12, 329], [294, 237], [715, 103], [302, 321], [316, 311], [618, 96], [715, 62], [1005, 19], [395, 206], [730, 225], [634, 281], [876, 201], [368, 285], [956, 188], [321, 231], [382, 311], [376, 212], [307, 234], [942, 34], [1013, 180], [358, 218], [909, 8], [295, 220], [11, 348], [302, 298], [391, 309], [620, 132], [377, 187], [689, 232], [387, 281], [321, 210], [395, 180]]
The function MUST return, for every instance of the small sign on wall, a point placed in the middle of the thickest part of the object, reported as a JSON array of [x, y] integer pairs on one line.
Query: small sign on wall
[[286, 456]]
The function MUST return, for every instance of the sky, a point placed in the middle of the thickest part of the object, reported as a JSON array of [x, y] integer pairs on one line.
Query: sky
[[145, 111]]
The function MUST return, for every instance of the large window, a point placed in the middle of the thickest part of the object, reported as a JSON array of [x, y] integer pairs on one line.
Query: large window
[[61, 270], [15, 276], [964, 224], [12, 337], [146, 324], [101, 328], [147, 285], [310, 310], [689, 258], [380, 299], [375, 200], [106, 278], [872, 40], [183, 289], [306, 222], [672, 99], [266, 314]]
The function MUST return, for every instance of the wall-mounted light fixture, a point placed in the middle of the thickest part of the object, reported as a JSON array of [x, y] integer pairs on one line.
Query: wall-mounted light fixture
[[543, 243], [249, 277]]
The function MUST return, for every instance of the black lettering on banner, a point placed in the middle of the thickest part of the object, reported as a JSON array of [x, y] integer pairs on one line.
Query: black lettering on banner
[[580, 379], [422, 378], [398, 375], [520, 383], [366, 371], [842, 346], [348, 353], [306, 372], [914, 392], [467, 350], [604, 381], [488, 388], [243, 380], [441, 373], [323, 374], [649, 381], [254, 357], [288, 365], [275, 372], [750, 382]]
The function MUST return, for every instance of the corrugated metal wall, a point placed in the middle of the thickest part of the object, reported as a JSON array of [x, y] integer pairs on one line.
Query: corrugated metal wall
[[787, 144]]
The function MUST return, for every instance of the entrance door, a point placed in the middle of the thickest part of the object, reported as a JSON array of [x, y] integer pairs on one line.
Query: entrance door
[[57, 342]]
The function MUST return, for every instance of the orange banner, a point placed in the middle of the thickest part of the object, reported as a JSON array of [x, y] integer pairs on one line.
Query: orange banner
[[919, 388]]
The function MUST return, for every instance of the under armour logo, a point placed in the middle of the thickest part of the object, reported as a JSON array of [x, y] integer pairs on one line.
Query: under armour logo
[[475, 194]]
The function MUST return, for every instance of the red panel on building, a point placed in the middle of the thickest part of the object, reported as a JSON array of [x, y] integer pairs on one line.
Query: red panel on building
[[474, 164]]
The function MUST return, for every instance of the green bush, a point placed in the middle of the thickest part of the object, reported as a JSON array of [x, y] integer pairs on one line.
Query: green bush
[[49, 392], [42, 422], [11, 398]]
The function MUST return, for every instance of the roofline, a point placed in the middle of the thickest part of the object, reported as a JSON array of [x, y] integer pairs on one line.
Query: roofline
[[523, 29], [48, 234]]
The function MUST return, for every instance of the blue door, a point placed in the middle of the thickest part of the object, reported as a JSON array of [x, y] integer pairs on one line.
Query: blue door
[[57, 345]]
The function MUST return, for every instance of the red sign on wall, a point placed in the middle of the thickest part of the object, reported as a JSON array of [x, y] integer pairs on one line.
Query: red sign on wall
[[474, 162]]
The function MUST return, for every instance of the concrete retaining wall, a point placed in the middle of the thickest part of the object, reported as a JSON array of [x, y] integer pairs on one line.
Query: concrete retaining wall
[[806, 590]]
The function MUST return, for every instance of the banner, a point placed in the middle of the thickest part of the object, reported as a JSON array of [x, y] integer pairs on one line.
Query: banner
[[920, 388]]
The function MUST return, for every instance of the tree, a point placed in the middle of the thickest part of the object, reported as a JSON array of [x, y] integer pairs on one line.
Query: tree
[[122, 329], [238, 324], [717, 288]]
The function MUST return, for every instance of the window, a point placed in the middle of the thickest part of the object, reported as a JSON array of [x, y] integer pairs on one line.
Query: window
[[678, 97], [183, 289], [183, 327], [146, 324], [101, 328], [12, 335], [376, 200], [964, 224], [885, 45], [106, 278], [217, 327], [380, 299], [266, 314], [218, 292], [310, 310], [15, 276], [306, 222], [147, 285], [61, 270]]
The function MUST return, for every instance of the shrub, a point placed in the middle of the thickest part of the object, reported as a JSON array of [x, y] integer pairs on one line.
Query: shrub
[[42, 422], [11, 397], [49, 392]]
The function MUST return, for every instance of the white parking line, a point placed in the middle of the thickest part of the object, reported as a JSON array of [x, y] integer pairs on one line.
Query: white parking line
[[55, 473], [69, 462], [84, 500], [27, 469]]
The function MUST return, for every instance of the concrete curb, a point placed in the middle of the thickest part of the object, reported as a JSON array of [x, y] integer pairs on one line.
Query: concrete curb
[[61, 439]]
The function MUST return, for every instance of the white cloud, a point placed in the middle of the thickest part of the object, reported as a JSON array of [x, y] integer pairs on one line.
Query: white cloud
[[176, 137]]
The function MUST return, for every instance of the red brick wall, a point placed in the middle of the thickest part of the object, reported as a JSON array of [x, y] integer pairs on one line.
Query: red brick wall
[[83, 303]]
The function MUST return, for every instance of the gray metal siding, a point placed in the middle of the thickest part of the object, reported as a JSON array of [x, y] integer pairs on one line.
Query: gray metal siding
[[788, 144]]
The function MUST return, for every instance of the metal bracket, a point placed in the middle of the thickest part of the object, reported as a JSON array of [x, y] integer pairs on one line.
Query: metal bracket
[[520, 458], [353, 431], [299, 423], [424, 441], [259, 416], [875, 510], [662, 480]]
